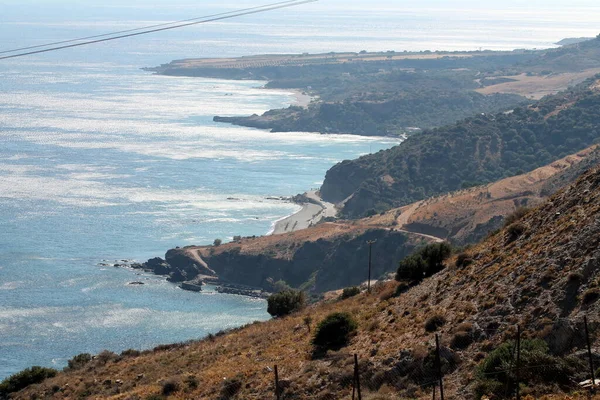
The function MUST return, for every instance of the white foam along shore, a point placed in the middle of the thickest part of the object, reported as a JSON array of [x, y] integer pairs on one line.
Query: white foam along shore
[[310, 214]]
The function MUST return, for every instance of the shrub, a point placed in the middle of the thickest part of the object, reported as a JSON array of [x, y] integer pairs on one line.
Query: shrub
[[130, 353], [286, 302], [334, 331], [169, 387], [79, 361], [461, 340], [217, 242], [435, 322], [21, 380], [463, 260], [350, 292], [401, 288], [425, 262], [515, 231], [516, 215], [495, 373], [231, 387], [590, 296], [191, 381]]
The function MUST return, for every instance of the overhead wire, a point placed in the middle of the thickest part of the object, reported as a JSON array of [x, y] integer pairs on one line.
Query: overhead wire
[[142, 28], [233, 14]]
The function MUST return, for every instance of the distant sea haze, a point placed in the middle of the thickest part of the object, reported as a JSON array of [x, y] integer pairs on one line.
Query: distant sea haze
[[100, 161]]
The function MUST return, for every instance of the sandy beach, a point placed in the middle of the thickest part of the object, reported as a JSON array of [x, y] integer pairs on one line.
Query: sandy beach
[[310, 214]]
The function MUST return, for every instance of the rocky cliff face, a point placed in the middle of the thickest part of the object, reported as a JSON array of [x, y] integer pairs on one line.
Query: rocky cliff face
[[319, 265]]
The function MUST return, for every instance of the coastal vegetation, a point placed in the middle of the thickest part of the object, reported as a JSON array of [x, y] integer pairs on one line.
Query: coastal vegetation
[[424, 262], [477, 150], [285, 302], [392, 93], [21, 380], [334, 331]]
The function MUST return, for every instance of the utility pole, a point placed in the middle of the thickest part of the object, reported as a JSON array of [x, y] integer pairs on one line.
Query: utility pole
[[370, 243], [589, 349], [518, 370], [438, 361]]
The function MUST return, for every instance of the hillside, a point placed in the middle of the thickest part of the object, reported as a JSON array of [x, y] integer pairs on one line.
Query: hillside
[[325, 257], [541, 273], [475, 151], [468, 215]]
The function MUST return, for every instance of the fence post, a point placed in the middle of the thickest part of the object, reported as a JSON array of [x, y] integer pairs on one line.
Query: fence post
[[277, 391], [439, 366], [434, 392], [356, 379], [589, 349], [517, 372]]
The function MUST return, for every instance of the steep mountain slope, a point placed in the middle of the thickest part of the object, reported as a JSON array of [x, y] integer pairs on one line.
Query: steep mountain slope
[[477, 150], [541, 273], [468, 215]]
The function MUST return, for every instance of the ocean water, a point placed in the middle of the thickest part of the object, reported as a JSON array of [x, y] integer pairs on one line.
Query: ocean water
[[101, 161]]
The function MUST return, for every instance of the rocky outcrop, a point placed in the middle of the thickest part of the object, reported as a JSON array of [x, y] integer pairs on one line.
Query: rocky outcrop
[[323, 265], [318, 265]]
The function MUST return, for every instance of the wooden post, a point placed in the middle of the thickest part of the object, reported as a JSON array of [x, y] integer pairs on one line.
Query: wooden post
[[589, 349], [370, 243], [277, 391], [357, 377], [439, 366], [517, 372]]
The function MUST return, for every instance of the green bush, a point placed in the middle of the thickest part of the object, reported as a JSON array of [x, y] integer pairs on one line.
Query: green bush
[[350, 292], [286, 302], [424, 262], [495, 374], [21, 380], [79, 361], [334, 331]]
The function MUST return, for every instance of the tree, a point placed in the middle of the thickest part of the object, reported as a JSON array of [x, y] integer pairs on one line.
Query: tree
[[285, 302], [217, 242], [424, 262]]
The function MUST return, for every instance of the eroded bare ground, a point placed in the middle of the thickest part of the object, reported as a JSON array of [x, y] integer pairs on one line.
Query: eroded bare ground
[[538, 86]]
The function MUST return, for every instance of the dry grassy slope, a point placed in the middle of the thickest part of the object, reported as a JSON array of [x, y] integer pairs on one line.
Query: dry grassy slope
[[467, 215], [531, 280]]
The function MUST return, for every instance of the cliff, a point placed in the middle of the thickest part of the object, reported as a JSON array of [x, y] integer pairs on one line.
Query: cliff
[[326, 257]]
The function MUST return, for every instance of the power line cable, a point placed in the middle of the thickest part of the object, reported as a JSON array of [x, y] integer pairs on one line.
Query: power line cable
[[234, 14], [142, 28]]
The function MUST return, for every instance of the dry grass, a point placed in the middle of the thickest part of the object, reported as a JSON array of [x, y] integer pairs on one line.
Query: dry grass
[[536, 87]]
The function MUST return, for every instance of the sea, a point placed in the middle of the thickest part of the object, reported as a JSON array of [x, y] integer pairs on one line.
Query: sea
[[101, 161]]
